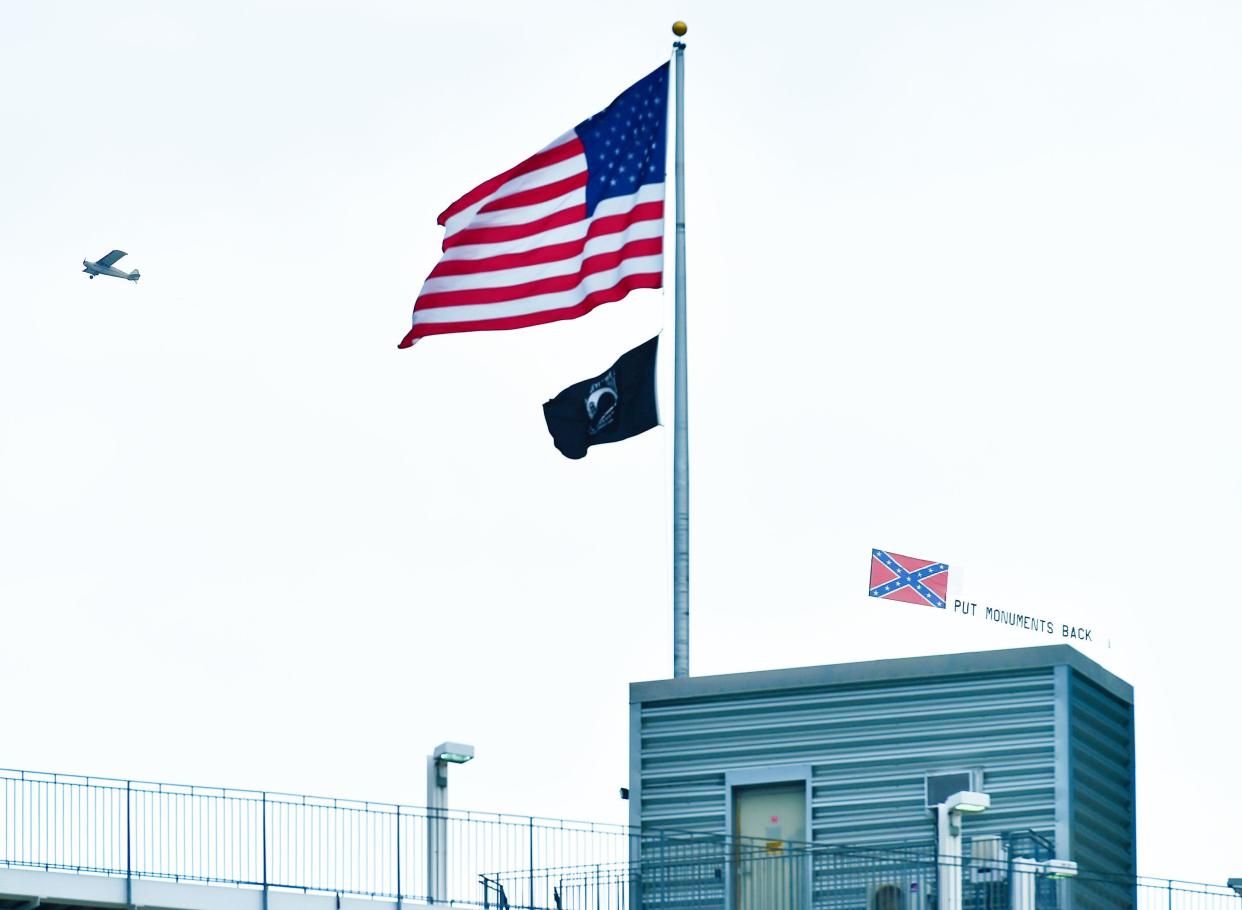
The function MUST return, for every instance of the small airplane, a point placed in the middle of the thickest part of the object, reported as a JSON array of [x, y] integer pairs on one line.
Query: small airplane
[[104, 267]]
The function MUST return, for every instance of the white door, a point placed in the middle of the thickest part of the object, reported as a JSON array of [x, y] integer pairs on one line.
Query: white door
[[770, 865]]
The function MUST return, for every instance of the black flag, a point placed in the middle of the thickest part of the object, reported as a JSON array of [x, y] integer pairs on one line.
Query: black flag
[[616, 405]]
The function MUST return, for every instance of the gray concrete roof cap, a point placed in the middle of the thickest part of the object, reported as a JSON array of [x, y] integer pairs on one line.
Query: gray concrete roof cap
[[901, 668]]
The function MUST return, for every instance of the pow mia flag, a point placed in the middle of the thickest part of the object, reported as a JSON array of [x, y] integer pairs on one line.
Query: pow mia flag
[[616, 405]]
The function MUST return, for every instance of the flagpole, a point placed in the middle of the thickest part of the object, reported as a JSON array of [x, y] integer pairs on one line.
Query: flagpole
[[681, 435]]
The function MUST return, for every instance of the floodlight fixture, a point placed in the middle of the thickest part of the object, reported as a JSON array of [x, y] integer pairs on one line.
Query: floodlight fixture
[[455, 753], [443, 755], [1236, 885], [949, 843], [1024, 873], [1060, 868], [967, 801]]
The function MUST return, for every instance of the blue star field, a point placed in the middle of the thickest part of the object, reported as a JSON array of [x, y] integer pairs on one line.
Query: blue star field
[[625, 143]]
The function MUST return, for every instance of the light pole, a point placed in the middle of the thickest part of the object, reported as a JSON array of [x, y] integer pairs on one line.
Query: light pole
[[949, 844], [438, 761], [1024, 873]]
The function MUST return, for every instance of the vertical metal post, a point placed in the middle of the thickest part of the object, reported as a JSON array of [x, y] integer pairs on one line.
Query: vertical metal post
[[399, 859], [129, 868], [264, 806], [437, 831], [1022, 883], [681, 416], [949, 860], [636, 869], [531, 867]]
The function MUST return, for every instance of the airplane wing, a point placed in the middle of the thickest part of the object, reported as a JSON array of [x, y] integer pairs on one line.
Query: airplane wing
[[110, 258]]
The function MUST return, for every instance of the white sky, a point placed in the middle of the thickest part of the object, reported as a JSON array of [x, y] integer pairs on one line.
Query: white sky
[[963, 283]]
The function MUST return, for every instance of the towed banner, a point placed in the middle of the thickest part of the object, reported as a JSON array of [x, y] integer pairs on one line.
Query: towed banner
[[925, 582]]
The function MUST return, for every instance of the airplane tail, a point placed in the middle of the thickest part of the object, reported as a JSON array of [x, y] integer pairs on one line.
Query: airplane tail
[[133, 276]]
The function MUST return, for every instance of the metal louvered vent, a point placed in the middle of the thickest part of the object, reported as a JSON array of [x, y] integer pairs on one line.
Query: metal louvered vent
[[940, 787]]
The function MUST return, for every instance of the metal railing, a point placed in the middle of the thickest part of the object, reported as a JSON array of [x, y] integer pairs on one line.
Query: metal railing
[[140, 829], [1097, 889], [704, 872], [679, 873], [269, 840]]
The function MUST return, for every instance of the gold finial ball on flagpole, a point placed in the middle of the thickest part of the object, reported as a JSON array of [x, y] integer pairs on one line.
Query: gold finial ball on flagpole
[[679, 28]]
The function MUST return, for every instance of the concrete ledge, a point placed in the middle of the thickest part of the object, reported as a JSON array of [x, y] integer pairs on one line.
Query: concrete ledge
[[86, 890]]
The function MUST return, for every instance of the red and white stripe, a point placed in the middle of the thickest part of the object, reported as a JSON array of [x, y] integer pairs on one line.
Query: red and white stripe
[[519, 249]]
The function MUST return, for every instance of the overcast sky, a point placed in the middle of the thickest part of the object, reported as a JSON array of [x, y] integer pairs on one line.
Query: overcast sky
[[963, 283]]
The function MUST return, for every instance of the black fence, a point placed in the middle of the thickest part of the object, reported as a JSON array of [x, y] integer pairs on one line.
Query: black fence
[[244, 838]]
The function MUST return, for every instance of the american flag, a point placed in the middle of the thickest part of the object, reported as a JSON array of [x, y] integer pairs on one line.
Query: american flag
[[906, 578], [575, 225]]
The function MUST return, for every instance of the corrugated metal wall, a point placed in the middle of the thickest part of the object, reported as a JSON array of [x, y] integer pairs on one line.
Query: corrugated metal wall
[[1101, 768], [871, 732], [869, 747]]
